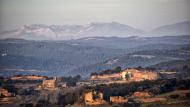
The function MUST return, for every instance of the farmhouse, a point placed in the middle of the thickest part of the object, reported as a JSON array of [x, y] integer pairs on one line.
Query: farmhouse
[[137, 75]]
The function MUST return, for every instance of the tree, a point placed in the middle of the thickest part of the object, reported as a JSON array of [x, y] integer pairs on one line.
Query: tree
[[118, 69], [139, 68], [185, 67], [77, 77], [93, 74], [127, 76], [1, 80], [11, 88]]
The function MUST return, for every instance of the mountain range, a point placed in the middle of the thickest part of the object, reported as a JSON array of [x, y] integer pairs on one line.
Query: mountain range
[[113, 29], [65, 32]]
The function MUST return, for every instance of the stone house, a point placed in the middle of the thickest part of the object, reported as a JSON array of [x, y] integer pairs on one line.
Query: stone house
[[48, 84], [4, 93], [93, 98]]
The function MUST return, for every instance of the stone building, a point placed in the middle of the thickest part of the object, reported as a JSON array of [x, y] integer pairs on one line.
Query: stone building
[[4, 93], [62, 84], [48, 84], [137, 75], [93, 98]]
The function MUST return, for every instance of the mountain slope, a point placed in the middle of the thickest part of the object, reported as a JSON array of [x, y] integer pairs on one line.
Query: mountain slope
[[52, 56], [65, 32], [174, 64], [182, 28]]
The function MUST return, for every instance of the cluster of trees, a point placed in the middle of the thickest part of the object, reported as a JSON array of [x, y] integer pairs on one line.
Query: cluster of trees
[[69, 98], [186, 68], [61, 99], [54, 99], [9, 81], [1, 80], [30, 91], [71, 81], [108, 71], [8, 84], [11, 88]]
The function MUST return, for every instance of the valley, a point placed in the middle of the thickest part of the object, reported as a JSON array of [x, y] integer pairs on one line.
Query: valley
[[81, 56]]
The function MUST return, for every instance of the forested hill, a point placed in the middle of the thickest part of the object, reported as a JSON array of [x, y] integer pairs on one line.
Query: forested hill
[[86, 55]]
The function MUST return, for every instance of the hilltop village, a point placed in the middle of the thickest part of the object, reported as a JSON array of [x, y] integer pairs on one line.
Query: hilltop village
[[129, 87]]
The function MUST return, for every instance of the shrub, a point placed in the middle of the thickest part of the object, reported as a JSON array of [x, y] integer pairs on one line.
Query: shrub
[[187, 95], [174, 96]]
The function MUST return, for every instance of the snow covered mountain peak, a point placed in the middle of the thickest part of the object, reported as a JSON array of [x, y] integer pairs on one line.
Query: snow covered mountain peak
[[65, 32]]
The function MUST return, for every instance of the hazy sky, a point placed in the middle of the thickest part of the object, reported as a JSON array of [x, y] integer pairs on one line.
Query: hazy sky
[[143, 14]]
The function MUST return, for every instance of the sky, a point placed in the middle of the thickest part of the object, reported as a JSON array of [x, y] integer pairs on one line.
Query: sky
[[142, 14]]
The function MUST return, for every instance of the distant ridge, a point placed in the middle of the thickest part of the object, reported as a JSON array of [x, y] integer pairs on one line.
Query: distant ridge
[[181, 28], [97, 29], [65, 32]]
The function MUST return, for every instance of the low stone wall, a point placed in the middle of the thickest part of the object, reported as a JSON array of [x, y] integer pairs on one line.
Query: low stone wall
[[141, 94], [118, 99]]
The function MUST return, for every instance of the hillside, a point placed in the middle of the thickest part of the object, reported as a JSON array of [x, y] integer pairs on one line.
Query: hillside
[[50, 56], [174, 65], [140, 58], [133, 41], [181, 28], [83, 56]]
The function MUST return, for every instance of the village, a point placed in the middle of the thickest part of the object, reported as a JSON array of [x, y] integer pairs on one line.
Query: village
[[40, 91]]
